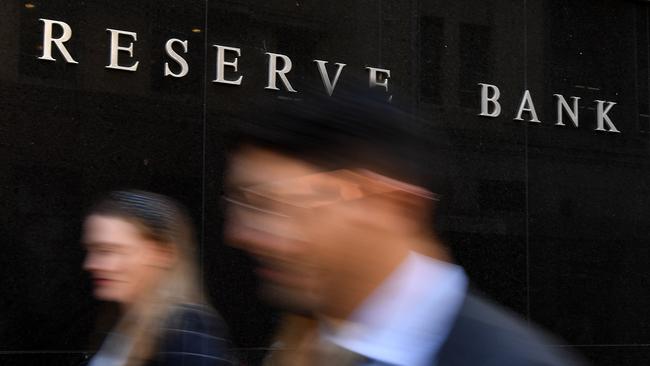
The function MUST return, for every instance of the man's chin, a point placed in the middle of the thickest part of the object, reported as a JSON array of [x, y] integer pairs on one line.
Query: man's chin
[[289, 299]]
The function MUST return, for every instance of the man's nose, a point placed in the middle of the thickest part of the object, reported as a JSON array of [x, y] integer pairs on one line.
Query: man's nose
[[245, 237], [259, 240]]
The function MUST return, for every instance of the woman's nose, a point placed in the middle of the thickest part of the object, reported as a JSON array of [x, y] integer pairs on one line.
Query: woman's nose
[[91, 263]]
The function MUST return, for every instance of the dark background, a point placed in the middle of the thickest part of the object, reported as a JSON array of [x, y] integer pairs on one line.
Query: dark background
[[551, 221]]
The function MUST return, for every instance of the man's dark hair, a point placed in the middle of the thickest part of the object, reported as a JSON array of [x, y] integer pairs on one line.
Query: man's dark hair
[[355, 128]]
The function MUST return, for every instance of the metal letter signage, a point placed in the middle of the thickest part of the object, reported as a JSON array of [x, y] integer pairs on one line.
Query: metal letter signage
[[176, 57], [486, 99], [329, 84], [280, 65], [562, 105], [602, 117], [222, 63], [116, 48], [273, 71], [490, 95], [527, 106], [48, 40], [375, 73]]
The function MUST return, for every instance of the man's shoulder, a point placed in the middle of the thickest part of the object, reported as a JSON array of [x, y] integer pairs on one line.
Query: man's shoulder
[[486, 334]]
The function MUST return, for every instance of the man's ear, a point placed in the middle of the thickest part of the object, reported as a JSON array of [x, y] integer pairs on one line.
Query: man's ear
[[410, 213]]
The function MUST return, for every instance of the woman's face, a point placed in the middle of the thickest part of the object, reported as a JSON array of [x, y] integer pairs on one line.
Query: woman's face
[[123, 263]]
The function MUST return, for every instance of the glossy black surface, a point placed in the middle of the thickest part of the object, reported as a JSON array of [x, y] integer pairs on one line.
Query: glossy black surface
[[552, 221]]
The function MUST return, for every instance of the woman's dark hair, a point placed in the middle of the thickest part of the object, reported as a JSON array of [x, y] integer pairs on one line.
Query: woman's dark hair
[[159, 217]]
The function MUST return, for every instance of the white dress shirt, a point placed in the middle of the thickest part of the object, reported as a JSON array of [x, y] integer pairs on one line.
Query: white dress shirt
[[408, 317]]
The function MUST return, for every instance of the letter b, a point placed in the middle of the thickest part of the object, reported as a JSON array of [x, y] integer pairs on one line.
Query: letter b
[[486, 99]]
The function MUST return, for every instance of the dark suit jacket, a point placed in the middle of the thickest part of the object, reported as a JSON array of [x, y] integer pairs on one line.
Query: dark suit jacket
[[194, 336], [486, 335], [482, 334]]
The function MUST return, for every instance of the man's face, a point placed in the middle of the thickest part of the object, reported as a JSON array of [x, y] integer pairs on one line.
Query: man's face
[[282, 212], [318, 236], [272, 233]]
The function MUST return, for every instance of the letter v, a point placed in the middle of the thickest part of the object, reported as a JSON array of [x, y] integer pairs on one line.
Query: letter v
[[329, 84]]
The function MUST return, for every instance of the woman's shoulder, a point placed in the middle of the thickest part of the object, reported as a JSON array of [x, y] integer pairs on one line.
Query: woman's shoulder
[[194, 335], [196, 318]]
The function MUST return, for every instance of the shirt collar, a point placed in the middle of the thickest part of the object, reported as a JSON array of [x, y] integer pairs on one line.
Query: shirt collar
[[406, 320]]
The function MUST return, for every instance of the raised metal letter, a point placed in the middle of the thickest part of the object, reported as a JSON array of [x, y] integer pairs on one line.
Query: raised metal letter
[[528, 106], [176, 57], [48, 40], [563, 105], [273, 71], [602, 117], [372, 81], [222, 63], [329, 84], [486, 99], [115, 48]]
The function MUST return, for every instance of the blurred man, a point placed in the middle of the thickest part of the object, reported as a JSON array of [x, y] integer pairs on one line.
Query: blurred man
[[334, 198]]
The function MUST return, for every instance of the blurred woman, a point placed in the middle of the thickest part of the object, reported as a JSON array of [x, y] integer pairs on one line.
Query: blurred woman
[[140, 255]]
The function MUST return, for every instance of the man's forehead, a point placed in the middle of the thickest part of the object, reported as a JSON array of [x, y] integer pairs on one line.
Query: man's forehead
[[253, 165]]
